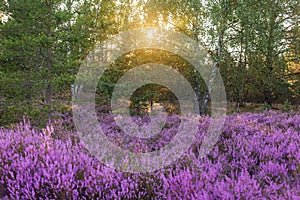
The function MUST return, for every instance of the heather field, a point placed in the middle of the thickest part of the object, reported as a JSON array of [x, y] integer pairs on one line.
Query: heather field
[[257, 156], [149, 99]]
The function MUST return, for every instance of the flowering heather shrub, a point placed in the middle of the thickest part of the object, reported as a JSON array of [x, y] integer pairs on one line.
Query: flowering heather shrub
[[257, 157]]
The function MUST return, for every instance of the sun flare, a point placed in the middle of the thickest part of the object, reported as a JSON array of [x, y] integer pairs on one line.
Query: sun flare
[[150, 34]]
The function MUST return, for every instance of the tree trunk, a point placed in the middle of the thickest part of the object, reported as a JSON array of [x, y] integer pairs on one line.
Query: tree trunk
[[197, 92], [49, 59], [28, 85], [269, 63], [206, 97]]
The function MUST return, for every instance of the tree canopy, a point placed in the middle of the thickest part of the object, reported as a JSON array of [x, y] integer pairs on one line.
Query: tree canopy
[[254, 44]]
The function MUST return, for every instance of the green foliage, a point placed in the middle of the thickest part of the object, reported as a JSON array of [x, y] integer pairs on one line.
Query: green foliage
[[44, 43], [287, 106], [267, 106], [41, 50]]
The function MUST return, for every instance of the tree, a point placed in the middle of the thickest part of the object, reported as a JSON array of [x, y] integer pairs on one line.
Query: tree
[[41, 48], [256, 36]]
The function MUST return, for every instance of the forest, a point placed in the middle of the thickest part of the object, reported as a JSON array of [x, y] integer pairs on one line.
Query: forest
[[232, 126], [44, 43]]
